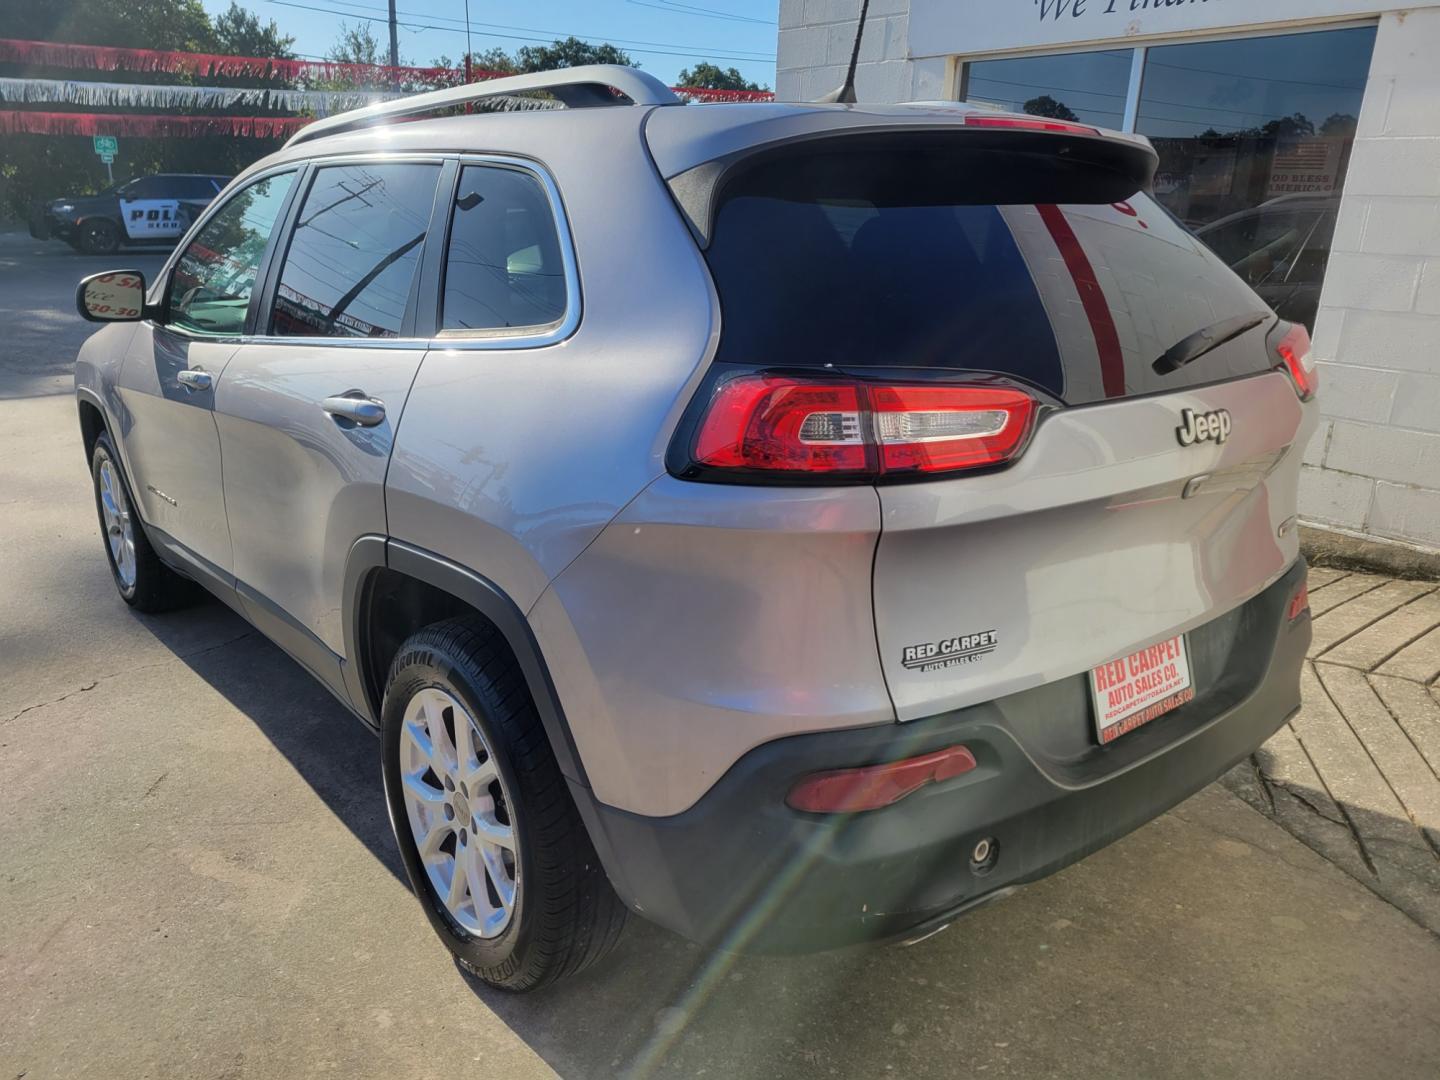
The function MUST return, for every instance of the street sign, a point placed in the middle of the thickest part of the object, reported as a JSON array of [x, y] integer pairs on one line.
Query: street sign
[[106, 145], [107, 159]]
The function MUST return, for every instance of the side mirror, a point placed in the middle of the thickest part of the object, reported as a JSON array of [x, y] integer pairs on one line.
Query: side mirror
[[116, 296]]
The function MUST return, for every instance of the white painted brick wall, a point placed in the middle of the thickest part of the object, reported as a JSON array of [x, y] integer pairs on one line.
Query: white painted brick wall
[[1374, 465], [817, 36]]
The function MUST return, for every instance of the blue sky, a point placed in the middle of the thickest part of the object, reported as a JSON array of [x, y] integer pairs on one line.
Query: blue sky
[[663, 36]]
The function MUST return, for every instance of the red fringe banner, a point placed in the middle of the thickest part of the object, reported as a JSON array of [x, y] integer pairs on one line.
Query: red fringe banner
[[24, 122]]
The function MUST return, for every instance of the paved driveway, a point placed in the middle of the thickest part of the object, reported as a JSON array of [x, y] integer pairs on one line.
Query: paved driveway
[[197, 880]]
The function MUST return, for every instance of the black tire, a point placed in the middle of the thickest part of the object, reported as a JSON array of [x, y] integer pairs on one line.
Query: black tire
[[98, 236], [566, 915], [156, 587]]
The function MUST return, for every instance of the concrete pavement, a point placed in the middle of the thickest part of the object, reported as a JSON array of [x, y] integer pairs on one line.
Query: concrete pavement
[[197, 880]]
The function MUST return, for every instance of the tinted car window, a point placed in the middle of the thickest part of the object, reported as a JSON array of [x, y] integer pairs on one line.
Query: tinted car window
[[503, 266], [191, 187], [147, 187], [355, 251], [883, 257], [210, 288]]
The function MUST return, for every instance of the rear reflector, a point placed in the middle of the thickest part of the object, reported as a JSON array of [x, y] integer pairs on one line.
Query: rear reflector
[[1294, 350], [779, 423], [1028, 124], [1300, 602], [849, 791]]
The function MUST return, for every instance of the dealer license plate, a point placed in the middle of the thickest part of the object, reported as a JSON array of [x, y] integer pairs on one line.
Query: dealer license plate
[[1135, 689]]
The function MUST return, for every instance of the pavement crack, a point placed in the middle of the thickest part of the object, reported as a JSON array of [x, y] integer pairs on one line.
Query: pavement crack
[[158, 781], [53, 701], [182, 657]]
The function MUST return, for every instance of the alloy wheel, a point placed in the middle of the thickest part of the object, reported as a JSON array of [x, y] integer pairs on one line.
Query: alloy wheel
[[459, 813], [119, 526]]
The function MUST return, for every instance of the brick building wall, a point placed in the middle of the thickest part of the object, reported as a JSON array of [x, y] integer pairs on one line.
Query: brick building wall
[[1374, 466]]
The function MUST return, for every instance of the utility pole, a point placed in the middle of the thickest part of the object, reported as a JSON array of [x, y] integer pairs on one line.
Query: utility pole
[[394, 47], [467, 41]]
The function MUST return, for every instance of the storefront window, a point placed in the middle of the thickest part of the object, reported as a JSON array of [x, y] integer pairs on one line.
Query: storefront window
[[1254, 137], [1086, 86]]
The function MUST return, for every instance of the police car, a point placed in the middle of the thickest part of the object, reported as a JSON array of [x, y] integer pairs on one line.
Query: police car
[[146, 210]]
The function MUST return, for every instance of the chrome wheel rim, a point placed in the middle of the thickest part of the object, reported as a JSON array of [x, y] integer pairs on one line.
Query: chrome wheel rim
[[459, 813], [119, 528]]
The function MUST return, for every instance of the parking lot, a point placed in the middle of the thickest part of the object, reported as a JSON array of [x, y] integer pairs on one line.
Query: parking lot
[[197, 878]]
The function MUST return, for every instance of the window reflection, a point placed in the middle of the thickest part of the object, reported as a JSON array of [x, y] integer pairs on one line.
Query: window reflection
[[354, 252], [1088, 87], [1254, 137], [209, 291]]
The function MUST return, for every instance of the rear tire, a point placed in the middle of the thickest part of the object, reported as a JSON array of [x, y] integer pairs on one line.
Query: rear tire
[[525, 842], [97, 236], [144, 582]]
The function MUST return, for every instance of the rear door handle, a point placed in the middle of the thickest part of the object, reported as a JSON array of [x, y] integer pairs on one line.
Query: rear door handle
[[195, 379], [367, 412]]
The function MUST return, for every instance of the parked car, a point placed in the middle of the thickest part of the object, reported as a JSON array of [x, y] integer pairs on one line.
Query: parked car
[[154, 209], [794, 524], [1280, 248]]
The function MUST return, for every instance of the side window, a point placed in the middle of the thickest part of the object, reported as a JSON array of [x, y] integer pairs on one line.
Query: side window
[[193, 187], [355, 251], [147, 187], [503, 267], [210, 288]]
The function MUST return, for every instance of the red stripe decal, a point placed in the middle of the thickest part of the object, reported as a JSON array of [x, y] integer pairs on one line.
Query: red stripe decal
[[1092, 298]]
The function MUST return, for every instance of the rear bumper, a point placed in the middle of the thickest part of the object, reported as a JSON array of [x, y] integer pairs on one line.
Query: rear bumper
[[743, 871]]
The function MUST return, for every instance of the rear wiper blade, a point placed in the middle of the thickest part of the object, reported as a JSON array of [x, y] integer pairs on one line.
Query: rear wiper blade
[[1201, 342]]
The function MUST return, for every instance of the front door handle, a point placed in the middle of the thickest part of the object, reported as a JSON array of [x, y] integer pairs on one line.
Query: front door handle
[[195, 379], [367, 412]]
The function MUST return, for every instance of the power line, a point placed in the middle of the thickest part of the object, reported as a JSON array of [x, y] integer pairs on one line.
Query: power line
[[701, 12], [672, 50]]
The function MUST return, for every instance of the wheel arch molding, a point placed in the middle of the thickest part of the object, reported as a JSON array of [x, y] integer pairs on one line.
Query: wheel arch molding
[[431, 587]]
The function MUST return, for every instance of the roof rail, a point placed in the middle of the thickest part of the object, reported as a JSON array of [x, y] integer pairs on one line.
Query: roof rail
[[576, 87]]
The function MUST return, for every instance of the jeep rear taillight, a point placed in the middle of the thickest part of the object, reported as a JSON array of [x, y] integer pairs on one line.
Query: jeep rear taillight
[[1294, 351], [762, 424]]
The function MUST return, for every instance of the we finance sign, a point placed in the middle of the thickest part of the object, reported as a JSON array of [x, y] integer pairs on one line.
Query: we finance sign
[[976, 27]]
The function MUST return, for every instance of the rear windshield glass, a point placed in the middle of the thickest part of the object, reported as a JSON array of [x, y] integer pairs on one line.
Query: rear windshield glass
[[870, 258]]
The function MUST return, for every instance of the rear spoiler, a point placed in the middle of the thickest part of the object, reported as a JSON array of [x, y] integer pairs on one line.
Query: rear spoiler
[[993, 165]]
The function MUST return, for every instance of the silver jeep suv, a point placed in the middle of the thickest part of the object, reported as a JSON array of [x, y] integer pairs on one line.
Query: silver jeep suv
[[795, 524]]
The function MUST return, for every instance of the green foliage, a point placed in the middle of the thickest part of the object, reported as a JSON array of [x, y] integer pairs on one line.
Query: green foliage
[[135, 24], [239, 32], [711, 77], [357, 45], [571, 52], [1047, 106]]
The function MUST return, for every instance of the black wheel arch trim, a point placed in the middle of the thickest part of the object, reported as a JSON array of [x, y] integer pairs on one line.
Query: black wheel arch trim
[[372, 553]]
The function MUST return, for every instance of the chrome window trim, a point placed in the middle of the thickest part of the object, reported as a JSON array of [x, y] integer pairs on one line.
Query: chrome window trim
[[524, 337], [446, 340]]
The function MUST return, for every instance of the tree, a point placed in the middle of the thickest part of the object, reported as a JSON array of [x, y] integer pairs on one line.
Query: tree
[[1339, 124], [241, 33], [711, 77], [145, 24], [572, 52], [1297, 125], [1047, 106], [356, 45]]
